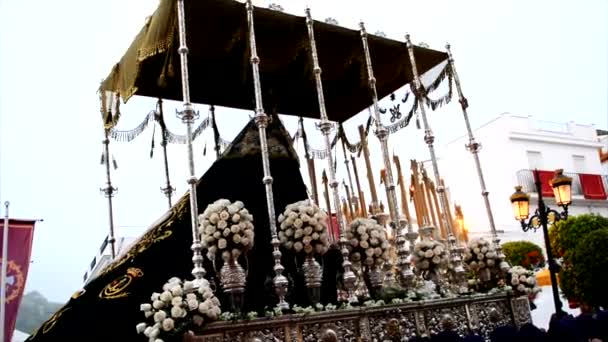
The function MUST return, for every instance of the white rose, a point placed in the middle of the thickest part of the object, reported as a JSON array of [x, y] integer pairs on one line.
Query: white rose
[[373, 241], [192, 304], [243, 225], [177, 312], [145, 307], [221, 244], [166, 297], [364, 244], [476, 250], [217, 235], [141, 327], [514, 281], [236, 253], [221, 224], [308, 230], [369, 252], [213, 218], [429, 254], [298, 233], [224, 215], [158, 304], [245, 241], [297, 246], [319, 227], [160, 316], [281, 218], [521, 288], [313, 222], [298, 223], [154, 333], [315, 236], [308, 249], [233, 209], [176, 301], [289, 232], [177, 290], [168, 324], [304, 218], [490, 262]]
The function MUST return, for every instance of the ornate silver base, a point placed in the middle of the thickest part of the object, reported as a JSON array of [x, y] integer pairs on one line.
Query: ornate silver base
[[399, 322], [313, 277], [234, 280]]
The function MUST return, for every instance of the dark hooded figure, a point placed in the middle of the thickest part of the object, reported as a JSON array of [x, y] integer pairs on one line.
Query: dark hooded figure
[[473, 338], [447, 336], [530, 333], [505, 333]]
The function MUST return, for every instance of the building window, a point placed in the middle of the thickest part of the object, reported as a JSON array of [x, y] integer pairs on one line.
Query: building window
[[534, 160], [579, 163]]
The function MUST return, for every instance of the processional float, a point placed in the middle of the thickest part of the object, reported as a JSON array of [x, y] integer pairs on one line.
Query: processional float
[[375, 282]]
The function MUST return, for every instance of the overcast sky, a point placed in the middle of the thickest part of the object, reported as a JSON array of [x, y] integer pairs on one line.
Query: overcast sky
[[546, 58]]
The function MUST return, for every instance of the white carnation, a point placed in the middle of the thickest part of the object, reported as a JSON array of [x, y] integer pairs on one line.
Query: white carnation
[[168, 324]]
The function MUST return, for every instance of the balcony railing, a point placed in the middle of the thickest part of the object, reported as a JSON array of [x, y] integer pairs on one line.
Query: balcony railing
[[525, 178]]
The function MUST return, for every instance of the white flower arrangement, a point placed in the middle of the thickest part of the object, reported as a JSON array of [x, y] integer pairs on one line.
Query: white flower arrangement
[[368, 242], [179, 306], [429, 255], [523, 282], [303, 227], [426, 290], [480, 254], [226, 228]]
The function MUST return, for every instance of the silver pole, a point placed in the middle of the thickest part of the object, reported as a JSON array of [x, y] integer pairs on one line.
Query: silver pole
[[473, 146], [3, 275], [261, 119], [188, 116], [109, 192], [326, 126], [429, 138], [398, 224]]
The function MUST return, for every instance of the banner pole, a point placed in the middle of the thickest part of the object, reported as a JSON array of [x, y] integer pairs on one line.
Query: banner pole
[[3, 275]]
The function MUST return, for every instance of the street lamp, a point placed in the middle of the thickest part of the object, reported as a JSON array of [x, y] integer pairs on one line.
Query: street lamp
[[520, 201]]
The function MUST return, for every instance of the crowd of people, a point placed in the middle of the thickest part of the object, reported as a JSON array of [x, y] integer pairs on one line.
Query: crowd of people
[[586, 327]]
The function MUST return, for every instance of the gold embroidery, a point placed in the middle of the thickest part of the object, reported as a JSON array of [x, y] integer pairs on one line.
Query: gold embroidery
[[117, 288], [78, 293], [50, 324]]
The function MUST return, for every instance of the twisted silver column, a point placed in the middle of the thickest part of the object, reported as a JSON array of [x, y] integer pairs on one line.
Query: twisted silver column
[[261, 119], [473, 146], [382, 134], [109, 192], [429, 138], [188, 115], [325, 127]]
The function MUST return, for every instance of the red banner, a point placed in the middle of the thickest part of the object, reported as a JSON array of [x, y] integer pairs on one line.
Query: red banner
[[593, 186], [545, 182], [20, 235]]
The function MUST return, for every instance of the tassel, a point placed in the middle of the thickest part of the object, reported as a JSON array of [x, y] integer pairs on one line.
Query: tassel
[[205, 149], [152, 144], [417, 121], [114, 163], [103, 158]]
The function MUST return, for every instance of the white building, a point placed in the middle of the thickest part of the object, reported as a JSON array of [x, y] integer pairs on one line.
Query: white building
[[104, 257], [512, 146]]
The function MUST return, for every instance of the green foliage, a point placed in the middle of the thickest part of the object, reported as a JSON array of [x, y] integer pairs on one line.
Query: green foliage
[[524, 253], [565, 235], [34, 310], [589, 269]]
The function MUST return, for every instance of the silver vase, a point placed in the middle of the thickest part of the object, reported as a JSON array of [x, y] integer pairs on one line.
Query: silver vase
[[234, 280], [376, 280], [313, 277], [361, 290]]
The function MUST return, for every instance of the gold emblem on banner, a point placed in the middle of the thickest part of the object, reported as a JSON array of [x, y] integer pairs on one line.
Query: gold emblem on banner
[[15, 280], [118, 287]]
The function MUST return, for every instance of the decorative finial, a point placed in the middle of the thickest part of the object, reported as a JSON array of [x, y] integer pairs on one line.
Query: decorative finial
[[7, 203]]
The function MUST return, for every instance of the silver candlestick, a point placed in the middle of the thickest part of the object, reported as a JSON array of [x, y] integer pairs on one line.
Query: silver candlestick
[[406, 276], [473, 146], [109, 192], [261, 120], [429, 138], [188, 115], [325, 126], [382, 134]]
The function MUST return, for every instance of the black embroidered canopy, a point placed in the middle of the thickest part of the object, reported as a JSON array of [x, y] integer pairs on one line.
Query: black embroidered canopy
[[220, 73]]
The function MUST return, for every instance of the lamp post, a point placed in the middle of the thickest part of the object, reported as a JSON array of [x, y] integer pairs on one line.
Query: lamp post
[[543, 215]]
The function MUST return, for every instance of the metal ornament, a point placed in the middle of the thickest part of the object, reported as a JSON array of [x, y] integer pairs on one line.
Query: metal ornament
[[313, 278], [261, 120], [188, 116], [325, 126], [429, 138], [234, 280], [406, 275], [382, 134], [473, 146], [109, 192], [168, 190]]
